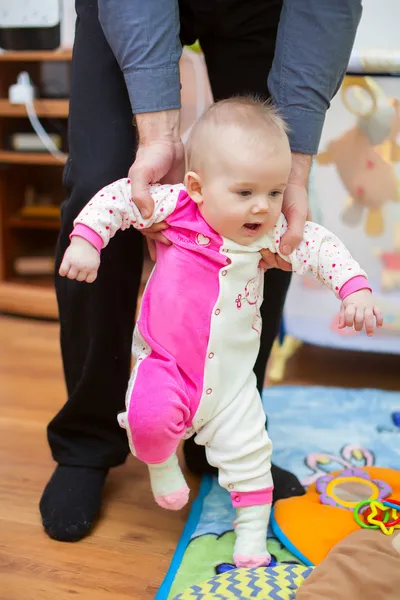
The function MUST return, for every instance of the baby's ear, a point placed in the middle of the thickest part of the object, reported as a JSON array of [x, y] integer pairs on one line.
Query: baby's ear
[[194, 186]]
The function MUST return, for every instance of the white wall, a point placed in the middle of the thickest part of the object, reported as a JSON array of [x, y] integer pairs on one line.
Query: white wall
[[379, 27]]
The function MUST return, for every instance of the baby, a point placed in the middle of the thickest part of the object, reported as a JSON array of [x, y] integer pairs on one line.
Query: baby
[[197, 336]]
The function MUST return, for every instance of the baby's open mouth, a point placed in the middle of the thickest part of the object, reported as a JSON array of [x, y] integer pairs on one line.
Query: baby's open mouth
[[253, 227]]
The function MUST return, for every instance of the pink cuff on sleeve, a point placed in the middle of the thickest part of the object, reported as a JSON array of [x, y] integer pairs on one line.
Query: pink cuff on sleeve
[[88, 234], [257, 498], [354, 285]]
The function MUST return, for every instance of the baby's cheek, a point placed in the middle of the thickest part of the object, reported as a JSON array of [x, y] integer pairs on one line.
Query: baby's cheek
[[273, 216], [277, 206]]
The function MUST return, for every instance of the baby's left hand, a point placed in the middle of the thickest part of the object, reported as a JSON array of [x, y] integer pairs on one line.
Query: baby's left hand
[[359, 309]]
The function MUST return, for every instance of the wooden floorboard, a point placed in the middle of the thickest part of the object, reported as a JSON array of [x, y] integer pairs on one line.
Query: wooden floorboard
[[129, 552]]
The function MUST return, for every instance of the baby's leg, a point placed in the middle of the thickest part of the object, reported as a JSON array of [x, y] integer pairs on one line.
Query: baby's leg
[[157, 417], [251, 527], [168, 484], [238, 445]]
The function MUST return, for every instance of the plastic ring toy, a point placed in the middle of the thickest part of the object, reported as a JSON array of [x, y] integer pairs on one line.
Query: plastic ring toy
[[361, 523], [396, 505]]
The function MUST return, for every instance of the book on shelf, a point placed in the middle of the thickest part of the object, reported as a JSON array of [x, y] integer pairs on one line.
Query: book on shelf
[[34, 265], [40, 211]]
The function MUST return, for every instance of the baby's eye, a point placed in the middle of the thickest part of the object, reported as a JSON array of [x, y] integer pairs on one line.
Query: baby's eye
[[245, 193], [275, 193]]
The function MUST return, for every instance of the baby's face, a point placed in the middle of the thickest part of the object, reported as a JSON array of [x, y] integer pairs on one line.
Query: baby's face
[[242, 189]]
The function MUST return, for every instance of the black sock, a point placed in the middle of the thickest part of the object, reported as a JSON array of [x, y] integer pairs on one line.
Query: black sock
[[286, 484], [71, 502]]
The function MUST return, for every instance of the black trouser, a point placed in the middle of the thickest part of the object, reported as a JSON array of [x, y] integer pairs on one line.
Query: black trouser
[[97, 319]]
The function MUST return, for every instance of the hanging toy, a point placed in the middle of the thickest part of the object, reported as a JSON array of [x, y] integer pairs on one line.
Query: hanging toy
[[365, 155]]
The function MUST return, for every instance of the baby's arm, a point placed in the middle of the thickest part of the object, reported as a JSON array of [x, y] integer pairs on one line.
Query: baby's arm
[[108, 211], [322, 253]]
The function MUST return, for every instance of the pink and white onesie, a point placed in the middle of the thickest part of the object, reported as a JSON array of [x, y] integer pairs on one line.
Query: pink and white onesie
[[197, 337]]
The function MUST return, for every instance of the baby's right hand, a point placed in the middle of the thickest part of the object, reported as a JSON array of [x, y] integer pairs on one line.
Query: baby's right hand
[[81, 261]]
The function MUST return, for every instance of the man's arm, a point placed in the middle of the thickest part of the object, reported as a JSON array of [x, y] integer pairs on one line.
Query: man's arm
[[313, 47], [144, 37]]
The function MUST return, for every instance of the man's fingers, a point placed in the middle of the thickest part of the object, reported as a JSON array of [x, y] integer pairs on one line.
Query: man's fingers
[[155, 228], [155, 233], [295, 209], [269, 259], [283, 264], [151, 245], [273, 261], [294, 234], [158, 237], [140, 190]]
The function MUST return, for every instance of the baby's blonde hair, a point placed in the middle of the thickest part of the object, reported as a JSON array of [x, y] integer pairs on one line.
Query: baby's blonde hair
[[250, 114]]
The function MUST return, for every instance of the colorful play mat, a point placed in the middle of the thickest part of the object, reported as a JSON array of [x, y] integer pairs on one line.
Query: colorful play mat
[[335, 440]]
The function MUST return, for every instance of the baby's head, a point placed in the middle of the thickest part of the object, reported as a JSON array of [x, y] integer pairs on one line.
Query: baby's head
[[238, 165]]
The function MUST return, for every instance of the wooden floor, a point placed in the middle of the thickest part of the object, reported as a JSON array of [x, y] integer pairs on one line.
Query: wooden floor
[[129, 552]]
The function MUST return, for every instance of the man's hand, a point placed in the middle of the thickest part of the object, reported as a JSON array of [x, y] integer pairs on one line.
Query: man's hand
[[159, 158], [295, 209]]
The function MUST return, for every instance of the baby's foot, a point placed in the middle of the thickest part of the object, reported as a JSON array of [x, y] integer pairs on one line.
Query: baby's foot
[[174, 501], [251, 536], [251, 562], [168, 484]]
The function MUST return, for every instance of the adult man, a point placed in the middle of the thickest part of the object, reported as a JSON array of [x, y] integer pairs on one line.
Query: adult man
[[125, 62]]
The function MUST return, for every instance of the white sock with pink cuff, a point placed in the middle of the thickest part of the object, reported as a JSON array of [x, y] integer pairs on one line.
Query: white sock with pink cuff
[[251, 536], [168, 484]]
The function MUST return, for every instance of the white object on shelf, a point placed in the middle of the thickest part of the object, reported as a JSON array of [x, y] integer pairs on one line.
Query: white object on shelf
[[68, 19], [17, 14], [22, 93]]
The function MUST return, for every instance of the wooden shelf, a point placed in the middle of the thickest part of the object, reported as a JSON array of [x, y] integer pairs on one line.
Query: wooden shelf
[[30, 158], [43, 107], [36, 56], [29, 297], [23, 177], [33, 223]]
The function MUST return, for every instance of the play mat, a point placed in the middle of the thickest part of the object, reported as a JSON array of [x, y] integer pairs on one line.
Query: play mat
[[315, 431]]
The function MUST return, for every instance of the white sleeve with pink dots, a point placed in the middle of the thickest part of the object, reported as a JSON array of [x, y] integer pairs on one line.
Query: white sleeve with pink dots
[[112, 208], [321, 253]]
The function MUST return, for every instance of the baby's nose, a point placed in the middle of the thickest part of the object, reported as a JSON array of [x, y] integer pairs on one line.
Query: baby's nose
[[262, 206]]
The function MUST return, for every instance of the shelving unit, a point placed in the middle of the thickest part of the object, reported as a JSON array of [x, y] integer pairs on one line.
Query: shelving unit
[[36, 56], [33, 223], [43, 108], [28, 158], [22, 235]]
